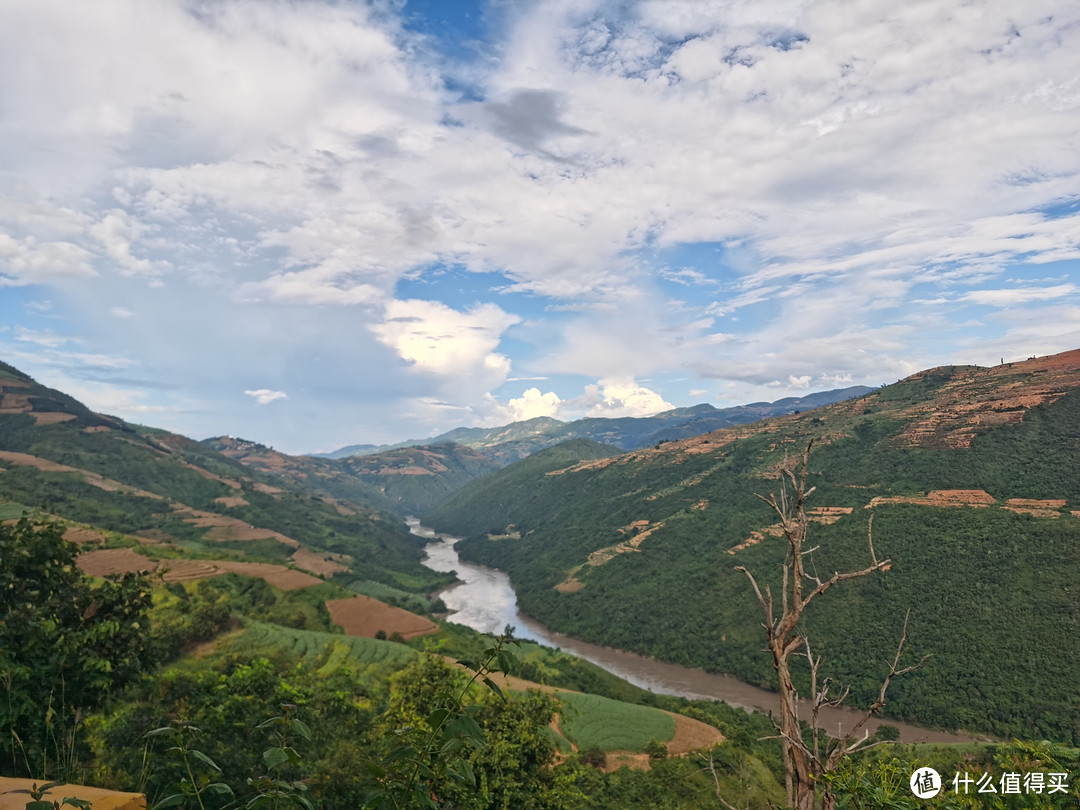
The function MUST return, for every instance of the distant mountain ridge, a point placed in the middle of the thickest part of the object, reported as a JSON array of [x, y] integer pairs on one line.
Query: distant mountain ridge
[[519, 439], [972, 476]]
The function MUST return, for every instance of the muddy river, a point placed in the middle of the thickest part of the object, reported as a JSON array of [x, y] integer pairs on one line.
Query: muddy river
[[485, 601]]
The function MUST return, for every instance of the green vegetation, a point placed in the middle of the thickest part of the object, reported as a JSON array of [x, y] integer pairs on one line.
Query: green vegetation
[[14, 511], [592, 721], [320, 651], [992, 592], [391, 595], [65, 644]]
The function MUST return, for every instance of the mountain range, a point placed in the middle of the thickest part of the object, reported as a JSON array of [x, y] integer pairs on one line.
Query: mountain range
[[972, 475]]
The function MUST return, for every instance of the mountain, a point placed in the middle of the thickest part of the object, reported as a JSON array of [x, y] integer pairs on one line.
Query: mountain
[[164, 496], [405, 480], [972, 475], [519, 439]]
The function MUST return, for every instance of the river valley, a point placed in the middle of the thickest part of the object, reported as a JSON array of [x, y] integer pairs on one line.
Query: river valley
[[485, 601]]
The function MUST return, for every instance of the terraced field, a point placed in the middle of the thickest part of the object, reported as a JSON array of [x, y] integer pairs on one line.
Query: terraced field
[[334, 650]]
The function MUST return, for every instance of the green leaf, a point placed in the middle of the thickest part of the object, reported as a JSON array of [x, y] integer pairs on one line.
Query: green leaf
[[467, 728], [220, 788], [438, 717], [273, 757], [175, 800], [494, 687], [301, 728], [204, 759], [462, 771]]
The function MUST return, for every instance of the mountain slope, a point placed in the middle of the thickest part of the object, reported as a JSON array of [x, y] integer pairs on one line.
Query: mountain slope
[[406, 480], [181, 497], [517, 440], [973, 475]]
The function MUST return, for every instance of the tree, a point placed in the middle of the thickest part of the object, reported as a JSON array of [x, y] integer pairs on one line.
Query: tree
[[806, 763], [65, 644]]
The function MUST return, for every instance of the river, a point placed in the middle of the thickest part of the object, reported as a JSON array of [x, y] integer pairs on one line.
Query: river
[[485, 601]]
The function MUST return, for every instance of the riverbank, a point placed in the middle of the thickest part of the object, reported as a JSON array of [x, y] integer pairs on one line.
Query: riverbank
[[485, 601]]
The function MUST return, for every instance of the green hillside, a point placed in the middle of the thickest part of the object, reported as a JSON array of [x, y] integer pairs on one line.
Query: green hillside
[[638, 551], [228, 691], [61, 458]]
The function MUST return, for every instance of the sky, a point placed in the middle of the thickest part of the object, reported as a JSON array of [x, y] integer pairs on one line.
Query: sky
[[313, 224]]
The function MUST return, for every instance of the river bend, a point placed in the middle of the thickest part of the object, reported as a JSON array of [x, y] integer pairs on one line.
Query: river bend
[[485, 601]]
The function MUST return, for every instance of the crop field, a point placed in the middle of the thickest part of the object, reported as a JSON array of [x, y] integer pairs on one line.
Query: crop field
[[327, 651], [13, 511], [391, 595], [592, 721]]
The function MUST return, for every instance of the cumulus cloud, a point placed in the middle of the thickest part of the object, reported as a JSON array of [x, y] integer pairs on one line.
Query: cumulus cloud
[[440, 340], [264, 396], [27, 261], [620, 397], [302, 163]]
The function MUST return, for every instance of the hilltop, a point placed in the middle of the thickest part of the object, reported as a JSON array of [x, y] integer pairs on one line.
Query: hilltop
[[508, 443], [973, 475]]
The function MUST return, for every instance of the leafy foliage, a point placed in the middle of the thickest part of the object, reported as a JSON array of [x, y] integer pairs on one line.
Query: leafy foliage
[[992, 591], [65, 644]]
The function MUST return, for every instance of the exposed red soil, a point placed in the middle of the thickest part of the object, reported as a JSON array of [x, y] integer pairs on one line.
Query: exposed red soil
[[224, 527], [974, 498], [51, 417], [15, 793], [322, 563], [364, 616], [230, 503], [229, 482], [819, 514], [105, 561], [184, 570], [81, 534], [43, 464], [279, 576]]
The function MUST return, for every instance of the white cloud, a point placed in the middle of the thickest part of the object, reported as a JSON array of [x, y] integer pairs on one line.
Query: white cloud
[[264, 396], [1020, 295], [45, 338], [27, 261], [437, 339], [116, 232], [289, 168], [620, 397]]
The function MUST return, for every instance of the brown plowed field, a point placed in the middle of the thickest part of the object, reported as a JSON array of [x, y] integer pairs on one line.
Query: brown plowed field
[[277, 575], [51, 417], [113, 561], [364, 616], [124, 560], [80, 534], [317, 563]]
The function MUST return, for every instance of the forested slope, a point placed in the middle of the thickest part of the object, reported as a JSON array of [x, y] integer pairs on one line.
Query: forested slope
[[973, 476]]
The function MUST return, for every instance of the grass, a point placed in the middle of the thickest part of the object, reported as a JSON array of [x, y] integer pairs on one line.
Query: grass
[[592, 721], [9, 510], [321, 651], [391, 595]]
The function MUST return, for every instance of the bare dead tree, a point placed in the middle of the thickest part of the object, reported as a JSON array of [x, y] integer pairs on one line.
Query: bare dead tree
[[804, 765]]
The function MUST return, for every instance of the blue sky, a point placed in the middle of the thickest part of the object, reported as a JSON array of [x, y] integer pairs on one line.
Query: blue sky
[[320, 223]]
